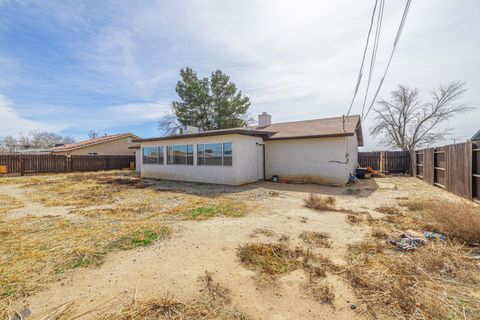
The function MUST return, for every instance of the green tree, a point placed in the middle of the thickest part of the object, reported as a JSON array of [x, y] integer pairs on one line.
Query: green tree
[[207, 103]]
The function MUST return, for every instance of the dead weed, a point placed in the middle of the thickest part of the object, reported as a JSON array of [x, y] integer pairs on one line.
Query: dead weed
[[320, 239], [436, 281], [317, 202], [214, 302]]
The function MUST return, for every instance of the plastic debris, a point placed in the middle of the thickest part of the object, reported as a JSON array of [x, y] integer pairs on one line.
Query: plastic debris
[[408, 242], [434, 236]]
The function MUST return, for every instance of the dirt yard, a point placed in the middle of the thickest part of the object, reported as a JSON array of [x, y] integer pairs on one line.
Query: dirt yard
[[109, 245]]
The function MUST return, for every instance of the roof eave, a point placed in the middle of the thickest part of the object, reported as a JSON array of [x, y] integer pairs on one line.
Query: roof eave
[[206, 134]]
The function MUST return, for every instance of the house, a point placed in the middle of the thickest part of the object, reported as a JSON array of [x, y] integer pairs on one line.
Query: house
[[476, 136], [318, 151], [112, 145]]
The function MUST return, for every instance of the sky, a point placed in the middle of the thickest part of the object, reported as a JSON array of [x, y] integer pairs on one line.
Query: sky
[[112, 66]]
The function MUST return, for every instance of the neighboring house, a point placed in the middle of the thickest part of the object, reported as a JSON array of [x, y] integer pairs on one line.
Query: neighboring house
[[319, 151], [112, 145], [476, 137]]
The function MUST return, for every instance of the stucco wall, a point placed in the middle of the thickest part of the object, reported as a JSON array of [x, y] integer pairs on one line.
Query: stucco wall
[[138, 160], [117, 147], [319, 160], [243, 170], [352, 147]]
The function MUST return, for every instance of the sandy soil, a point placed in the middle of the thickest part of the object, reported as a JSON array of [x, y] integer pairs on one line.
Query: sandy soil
[[172, 266]]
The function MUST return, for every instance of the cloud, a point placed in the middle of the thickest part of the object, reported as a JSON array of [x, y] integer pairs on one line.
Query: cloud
[[13, 123], [296, 60]]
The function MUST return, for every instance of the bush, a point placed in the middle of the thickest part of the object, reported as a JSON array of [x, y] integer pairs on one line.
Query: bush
[[458, 220], [316, 202]]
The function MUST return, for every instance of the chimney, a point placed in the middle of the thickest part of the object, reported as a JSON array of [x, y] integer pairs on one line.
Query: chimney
[[264, 119]]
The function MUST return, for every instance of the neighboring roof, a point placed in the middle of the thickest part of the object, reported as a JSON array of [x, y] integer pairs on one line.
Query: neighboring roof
[[317, 128], [476, 136], [94, 141]]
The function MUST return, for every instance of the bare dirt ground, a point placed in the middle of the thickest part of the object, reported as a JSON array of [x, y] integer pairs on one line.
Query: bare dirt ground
[[171, 265]]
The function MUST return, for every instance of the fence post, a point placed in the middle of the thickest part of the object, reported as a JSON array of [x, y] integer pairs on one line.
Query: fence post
[[21, 164]]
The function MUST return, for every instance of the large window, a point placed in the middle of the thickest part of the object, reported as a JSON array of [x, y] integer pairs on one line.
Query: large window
[[153, 155], [214, 154], [181, 154]]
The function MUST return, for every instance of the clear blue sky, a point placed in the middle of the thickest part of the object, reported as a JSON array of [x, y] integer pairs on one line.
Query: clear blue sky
[[112, 66]]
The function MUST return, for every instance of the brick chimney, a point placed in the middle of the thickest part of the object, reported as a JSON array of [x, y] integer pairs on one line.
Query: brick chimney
[[264, 119]]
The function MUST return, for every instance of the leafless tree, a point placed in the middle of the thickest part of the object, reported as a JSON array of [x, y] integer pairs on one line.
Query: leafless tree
[[169, 124], [92, 134], [9, 144], [35, 139], [406, 122]]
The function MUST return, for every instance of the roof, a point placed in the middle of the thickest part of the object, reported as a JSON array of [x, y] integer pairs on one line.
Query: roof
[[94, 141], [316, 128], [476, 136]]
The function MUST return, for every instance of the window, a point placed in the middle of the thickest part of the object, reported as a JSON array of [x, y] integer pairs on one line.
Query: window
[[92, 153], [153, 155], [227, 154], [181, 154], [214, 154]]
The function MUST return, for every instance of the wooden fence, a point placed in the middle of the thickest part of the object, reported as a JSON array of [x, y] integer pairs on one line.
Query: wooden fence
[[386, 161], [32, 163], [455, 168]]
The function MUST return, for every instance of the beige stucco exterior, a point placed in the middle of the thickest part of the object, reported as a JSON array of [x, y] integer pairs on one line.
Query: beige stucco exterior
[[242, 171], [117, 147], [317, 160]]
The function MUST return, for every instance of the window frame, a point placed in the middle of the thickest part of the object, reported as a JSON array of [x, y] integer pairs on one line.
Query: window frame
[[188, 154], [160, 155], [202, 146]]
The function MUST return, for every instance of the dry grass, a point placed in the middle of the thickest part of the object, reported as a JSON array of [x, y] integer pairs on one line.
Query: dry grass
[[317, 202], [354, 218], [272, 259], [460, 220], [269, 258], [8, 203], [262, 231], [320, 290], [436, 281], [113, 211], [213, 303], [320, 239], [35, 251], [389, 210]]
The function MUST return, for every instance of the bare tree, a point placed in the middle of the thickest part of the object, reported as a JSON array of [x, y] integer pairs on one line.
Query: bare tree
[[92, 134], [169, 124], [406, 122], [36, 139], [9, 144]]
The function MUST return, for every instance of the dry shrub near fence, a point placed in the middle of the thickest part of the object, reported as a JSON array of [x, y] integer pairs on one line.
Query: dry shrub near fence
[[436, 281], [458, 220]]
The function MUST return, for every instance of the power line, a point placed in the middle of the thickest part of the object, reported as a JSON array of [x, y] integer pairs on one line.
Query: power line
[[360, 72], [374, 52], [397, 38]]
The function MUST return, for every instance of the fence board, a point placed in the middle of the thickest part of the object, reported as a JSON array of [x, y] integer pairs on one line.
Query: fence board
[[43, 163], [388, 161], [428, 162], [453, 167]]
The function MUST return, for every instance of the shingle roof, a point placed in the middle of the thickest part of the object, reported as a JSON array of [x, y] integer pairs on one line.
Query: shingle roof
[[316, 128], [85, 143], [476, 136]]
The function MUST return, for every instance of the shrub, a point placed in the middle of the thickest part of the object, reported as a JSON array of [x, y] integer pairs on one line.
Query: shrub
[[316, 202], [458, 220], [316, 238], [388, 210]]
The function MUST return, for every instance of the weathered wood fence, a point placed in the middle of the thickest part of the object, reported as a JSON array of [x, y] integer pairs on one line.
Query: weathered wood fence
[[387, 161], [455, 168], [32, 163]]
